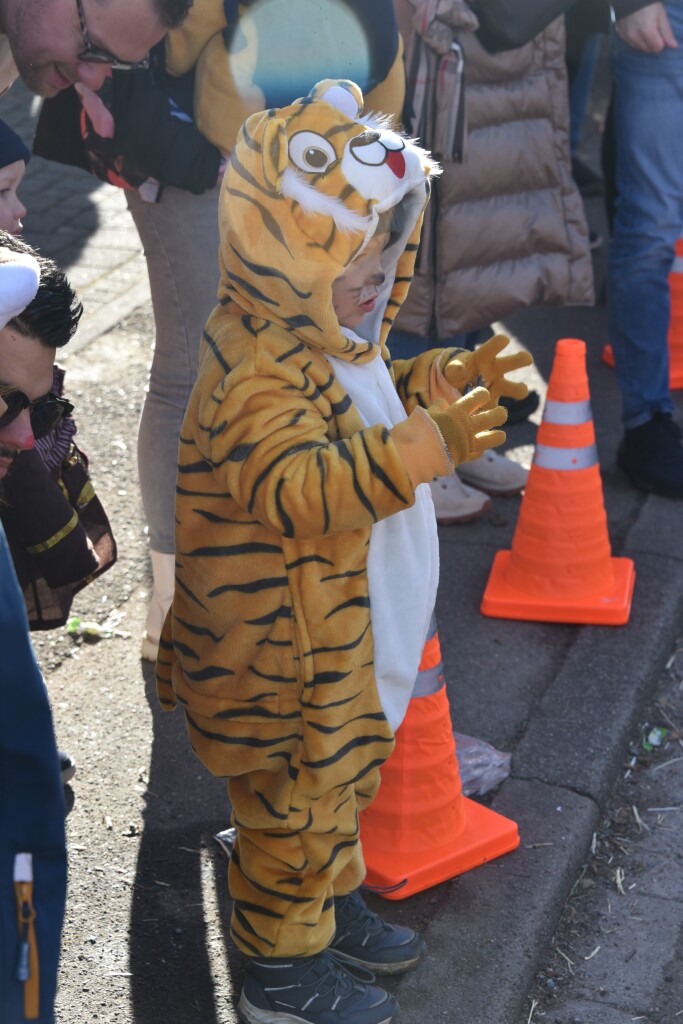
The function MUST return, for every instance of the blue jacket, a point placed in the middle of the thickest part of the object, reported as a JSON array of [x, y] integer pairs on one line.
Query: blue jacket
[[31, 811]]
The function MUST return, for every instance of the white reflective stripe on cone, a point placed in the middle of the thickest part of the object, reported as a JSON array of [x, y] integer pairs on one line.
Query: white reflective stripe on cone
[[429, 680], [677, 267], [548, 457], [567, 413]]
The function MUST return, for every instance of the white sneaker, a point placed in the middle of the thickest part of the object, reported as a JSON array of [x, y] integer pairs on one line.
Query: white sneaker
[[494, 474], [163, 571], [455, 502]]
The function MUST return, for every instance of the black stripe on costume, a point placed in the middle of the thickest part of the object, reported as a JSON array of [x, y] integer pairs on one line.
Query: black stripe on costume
[[347, 457], [199, 630], [263, 270], [228, 550], [353, 744], [209, 672], [251, 290], [329, 730], [379, 473], [233, 714], [186, 589], [306, 559], [254, 587], [326, 678], [271, 810], [271, 892], [185, 649], [210, 341], [241, 741], [202, 466], [353, 602], [336, 850], [283, 612]]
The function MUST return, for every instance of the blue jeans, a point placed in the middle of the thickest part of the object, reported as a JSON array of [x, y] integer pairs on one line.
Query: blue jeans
[[648, 112]]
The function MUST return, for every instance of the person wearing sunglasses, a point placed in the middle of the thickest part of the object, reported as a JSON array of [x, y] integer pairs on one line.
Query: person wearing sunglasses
[[58, 533], [57, 530], [53, 43]]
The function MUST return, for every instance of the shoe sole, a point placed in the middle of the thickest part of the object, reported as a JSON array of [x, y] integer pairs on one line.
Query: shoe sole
[[395, 968], [255, 1015], [491, 491], [68, 774], [452, 520]]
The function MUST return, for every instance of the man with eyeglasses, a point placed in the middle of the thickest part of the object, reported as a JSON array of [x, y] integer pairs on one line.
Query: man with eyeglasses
[[52, 44]]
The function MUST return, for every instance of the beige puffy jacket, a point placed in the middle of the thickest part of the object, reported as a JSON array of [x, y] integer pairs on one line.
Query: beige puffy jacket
[[506, 228]]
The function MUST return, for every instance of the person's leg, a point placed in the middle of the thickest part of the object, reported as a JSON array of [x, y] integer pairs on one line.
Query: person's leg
[[648, 99], [649, 218], [283, 880], [180, 239]]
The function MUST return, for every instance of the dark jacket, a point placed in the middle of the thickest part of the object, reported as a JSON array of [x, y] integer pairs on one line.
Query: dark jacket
[[31, 807]]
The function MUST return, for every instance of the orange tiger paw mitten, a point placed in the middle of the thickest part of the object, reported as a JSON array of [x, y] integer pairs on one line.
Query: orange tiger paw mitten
[[486, 365], [432, 442]]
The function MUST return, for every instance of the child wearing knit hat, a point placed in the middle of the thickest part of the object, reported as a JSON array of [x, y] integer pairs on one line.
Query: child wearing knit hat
[[14, 156]]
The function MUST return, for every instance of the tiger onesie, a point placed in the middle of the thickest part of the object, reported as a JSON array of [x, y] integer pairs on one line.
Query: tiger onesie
[[275, 644]]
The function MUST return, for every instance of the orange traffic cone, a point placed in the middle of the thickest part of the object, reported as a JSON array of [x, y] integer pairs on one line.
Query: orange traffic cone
[[675, 323], [420, 830], [560, 568]]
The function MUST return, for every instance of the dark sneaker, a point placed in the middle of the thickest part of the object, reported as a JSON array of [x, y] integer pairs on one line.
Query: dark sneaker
[[652, 457], [519, 409], [67, 766], [311, 990], [363, 937]]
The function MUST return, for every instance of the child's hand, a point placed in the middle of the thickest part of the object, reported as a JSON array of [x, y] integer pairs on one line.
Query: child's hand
[[466, 424], [486, 364]]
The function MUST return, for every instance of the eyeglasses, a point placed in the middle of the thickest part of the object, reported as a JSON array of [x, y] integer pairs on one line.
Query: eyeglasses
[[98, 55], [46, 412]]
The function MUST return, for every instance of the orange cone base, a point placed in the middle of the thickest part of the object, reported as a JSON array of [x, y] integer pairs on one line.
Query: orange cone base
[[486, 835], [613, 608], [675, 370]]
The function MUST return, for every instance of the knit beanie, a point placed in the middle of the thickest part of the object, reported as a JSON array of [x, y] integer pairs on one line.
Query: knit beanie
[[11, 147]]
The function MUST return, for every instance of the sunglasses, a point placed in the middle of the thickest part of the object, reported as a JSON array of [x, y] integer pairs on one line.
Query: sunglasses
[[98, 55], [46, 412]]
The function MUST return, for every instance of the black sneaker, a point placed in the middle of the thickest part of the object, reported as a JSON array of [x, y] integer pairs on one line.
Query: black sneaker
[[652, 456], [67, 766], [363, 937], [311, 990], [519, 409]]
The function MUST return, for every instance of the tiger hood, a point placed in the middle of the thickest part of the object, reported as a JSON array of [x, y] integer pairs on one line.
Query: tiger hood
[[301, 197]]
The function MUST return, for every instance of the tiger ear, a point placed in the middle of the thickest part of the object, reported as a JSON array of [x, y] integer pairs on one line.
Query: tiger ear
[[274, 151], [340, 93]]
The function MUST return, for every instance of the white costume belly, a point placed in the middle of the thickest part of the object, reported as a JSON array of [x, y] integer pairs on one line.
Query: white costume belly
[[403, 557]]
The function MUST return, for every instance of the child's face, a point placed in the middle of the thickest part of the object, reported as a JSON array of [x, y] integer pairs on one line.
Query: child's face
[[354, 293], [11, 207]]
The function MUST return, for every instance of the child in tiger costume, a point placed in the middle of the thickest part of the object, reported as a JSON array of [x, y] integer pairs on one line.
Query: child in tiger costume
[[306, 545]]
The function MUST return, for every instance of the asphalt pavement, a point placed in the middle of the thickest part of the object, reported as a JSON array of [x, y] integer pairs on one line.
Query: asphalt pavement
[[563, 699]]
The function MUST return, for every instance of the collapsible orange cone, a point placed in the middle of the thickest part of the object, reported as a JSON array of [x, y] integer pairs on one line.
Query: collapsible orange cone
[[560, 568], [675, 323], [420, 830]]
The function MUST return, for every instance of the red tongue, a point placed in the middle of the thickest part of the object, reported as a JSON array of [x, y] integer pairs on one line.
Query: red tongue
[[396, 162]]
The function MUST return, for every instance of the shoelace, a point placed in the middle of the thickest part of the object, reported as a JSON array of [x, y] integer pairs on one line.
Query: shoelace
[[361, 916], [331, 981]]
